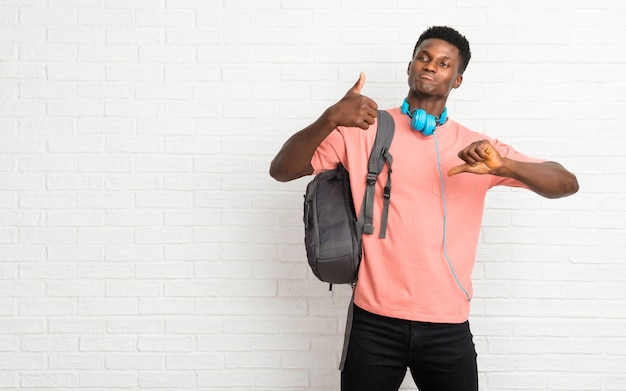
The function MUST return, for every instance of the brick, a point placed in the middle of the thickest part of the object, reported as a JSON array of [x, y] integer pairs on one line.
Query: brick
[[23, 325], [130, 361], [192, 252], [49, 379], [165, 270], [190, 182], [77, 326], [22, 289], [104, 200], [134, 325], [104, 236], [133, 36], [107, 306], [51, 89], [163, 235], [75, 289], [193, 361], [193, 4], [19, 218], [48, 53], [131, 108], [166, 379], [190, 217], [76, 361], [193, 325], [49, 344], [22, 361], [108, 344], [75, 253], [290, 379], [165, 18], [105, 17], [108, 379], [76, 35], [134, 253], [167, 54], [166, 344], [22, 108], [165, 126], [163, 164], [127, 182], [133, 289], [195, 73], [75, 72], [198, 288], [166, 306], [47, 307], [234, 378], [73, 182], [75, 218], [103, 271], [200, 36], [111, 90]]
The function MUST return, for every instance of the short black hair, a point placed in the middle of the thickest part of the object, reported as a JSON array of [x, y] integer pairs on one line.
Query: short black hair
[[451, 36]]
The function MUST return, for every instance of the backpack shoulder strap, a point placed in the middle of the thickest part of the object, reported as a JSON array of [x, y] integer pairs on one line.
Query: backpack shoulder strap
[[378, 156]]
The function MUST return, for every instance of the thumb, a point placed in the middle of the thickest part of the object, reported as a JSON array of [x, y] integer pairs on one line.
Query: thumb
[[359, 84], [458, 169]]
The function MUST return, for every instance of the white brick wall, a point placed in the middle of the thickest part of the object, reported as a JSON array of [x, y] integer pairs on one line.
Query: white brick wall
[[143, 245]]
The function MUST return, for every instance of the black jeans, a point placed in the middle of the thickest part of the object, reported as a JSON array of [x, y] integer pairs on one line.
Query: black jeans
[[441, 356]]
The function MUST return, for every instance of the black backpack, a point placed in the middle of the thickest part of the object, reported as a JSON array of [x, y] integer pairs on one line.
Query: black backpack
[[332, 231]]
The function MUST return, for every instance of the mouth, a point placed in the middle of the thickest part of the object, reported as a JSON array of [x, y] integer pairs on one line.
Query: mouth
[[427, 76]]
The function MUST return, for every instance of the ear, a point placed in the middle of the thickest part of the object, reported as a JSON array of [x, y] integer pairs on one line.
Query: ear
[[458, 81], [408, 68]]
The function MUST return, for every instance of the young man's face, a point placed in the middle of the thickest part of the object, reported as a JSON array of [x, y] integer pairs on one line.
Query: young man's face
[[434, 70]]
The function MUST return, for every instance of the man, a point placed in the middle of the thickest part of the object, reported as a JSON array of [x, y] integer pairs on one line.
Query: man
[[411, 302]]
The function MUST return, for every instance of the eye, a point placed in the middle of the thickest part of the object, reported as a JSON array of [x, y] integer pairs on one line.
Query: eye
[[445, 64]]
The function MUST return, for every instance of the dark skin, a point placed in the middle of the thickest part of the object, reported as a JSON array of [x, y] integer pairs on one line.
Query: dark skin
[[432, 74]]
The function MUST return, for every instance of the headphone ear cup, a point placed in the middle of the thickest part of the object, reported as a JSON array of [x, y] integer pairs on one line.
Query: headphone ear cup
[[419, 120], [424, 122], [415, 123], [430, 125]]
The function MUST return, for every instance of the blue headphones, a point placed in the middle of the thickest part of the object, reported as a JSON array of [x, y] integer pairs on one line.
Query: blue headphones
[[423, 122]]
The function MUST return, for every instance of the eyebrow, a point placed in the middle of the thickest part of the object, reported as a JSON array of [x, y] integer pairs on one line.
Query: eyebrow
[[430, 55]]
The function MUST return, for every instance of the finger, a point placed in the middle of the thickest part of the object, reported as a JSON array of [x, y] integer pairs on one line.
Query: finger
[[464, 155], [473, 156], [373, 105], [372, 113], [364, 124], [356, 88], [483, 151], [458, 169], [486, 149]]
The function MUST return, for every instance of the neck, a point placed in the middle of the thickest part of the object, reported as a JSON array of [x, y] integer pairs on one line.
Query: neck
[[433, 106]]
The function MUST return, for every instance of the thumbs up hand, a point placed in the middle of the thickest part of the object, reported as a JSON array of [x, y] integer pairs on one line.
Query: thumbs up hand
[[354, 109]]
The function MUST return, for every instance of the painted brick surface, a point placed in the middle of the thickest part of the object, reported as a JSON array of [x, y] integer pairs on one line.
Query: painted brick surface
[[143, 245]]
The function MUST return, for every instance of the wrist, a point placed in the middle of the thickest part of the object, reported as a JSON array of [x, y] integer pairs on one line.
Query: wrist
[[505, 169], [328, 119]]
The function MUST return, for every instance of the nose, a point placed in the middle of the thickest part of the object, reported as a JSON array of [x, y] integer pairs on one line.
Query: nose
[[430, 66]]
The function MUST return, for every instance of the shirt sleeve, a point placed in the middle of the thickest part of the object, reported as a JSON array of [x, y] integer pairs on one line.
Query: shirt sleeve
[[508, 151], [329, 153]]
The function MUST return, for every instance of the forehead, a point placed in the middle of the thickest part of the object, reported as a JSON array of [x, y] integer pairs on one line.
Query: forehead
[[438, 47]]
